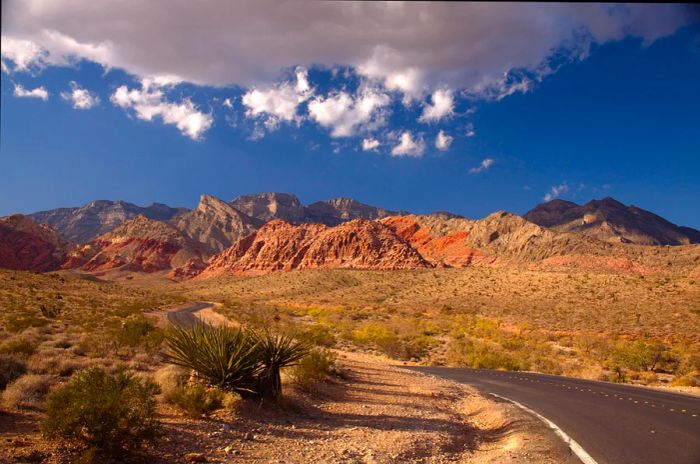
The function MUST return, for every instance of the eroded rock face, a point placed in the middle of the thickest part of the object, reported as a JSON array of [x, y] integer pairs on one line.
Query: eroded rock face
[[271, 205], [28, 246], [280, 246], [215, 224], [84, 224], [445, 250], [611, 221], [141, 245]]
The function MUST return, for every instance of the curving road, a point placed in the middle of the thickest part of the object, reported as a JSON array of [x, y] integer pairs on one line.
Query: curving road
[[615, 424], [185, 316]]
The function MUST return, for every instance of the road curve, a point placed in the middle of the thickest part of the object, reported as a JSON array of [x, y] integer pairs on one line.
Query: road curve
[[184, 316], [615, 424]]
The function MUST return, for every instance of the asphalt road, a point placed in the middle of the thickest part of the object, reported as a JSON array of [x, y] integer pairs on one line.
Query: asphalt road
[[615, 424], [184, 317]]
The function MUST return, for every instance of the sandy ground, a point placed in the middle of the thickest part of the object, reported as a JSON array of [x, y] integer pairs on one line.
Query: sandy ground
[[375, 414]]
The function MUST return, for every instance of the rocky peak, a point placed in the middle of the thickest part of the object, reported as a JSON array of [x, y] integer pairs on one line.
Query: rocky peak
[[85, 223], [270, 205], [215, 224], [612, 221]]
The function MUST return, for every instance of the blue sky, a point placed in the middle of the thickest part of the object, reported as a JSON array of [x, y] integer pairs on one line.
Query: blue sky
[[621, 119]]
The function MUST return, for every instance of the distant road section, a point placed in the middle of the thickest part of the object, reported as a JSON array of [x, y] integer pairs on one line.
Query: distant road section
[[614, 424], [185, 316]]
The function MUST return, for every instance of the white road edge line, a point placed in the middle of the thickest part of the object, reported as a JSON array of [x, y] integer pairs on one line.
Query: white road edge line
[[573, 445]]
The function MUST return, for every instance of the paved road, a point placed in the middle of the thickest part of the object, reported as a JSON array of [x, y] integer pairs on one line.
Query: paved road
[[615, 424], [184, 316]]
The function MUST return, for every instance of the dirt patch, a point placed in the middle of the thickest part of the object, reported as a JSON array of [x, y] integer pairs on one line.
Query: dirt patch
[[375, 414]]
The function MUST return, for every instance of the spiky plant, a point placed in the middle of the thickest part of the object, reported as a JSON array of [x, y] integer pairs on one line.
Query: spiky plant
[[224, 357], [275, 352]]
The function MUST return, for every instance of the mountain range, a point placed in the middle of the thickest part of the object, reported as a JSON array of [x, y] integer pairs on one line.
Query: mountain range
[[270, 232]]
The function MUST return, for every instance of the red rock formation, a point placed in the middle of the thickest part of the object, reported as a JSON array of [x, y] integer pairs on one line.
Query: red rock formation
[[141, 245], [280, 246], [449, 250], [26, 245]]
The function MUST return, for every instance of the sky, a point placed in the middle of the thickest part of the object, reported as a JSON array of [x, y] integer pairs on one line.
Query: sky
[[468, 108]]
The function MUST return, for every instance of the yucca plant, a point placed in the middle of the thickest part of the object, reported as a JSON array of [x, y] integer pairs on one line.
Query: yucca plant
[[274, 352], [224, 357]]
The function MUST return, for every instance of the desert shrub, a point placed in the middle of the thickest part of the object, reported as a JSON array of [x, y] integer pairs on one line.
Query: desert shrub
[[687, 380], [112, 414], [20, 346], [27, 391], [222, 356], [18, 323], [50, 312], [482, 355], [170, 378], [196, 400], [317, 334], [419, 346], [137, 332], [639, 355], [237, 360], [313, 368], [273, 353], [380, 337], [11, 368]]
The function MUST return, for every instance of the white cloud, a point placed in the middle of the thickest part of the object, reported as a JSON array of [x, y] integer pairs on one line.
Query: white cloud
[[556, 191], [345, 114], [39, 92], [443, 141], [149, 102], [81, 99], [370, 144], [442, 106], [408, 47], [22, 53], [407, 146], [470, 130], [279, 102], [227, 103], [484, 165]]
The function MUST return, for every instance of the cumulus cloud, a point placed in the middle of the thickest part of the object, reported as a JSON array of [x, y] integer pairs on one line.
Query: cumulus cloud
[[407, 146], [344, 114], [408, 47], [39, 92], [443, 141], [370, 144], [21, 53], [556, 191], [279, 102], [81, 99], [149, 102], [484, 165], [442, 106]]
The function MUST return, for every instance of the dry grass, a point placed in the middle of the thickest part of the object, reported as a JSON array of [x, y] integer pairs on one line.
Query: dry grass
[[575, 323], [624, 304]]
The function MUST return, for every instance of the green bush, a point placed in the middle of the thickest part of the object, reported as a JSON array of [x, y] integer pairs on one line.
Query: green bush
[[380, 337], [10, 369], [482, 355], [317, 334], [139, 332], [196, 400], [640, 355], [113, 414], [313, 368]]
